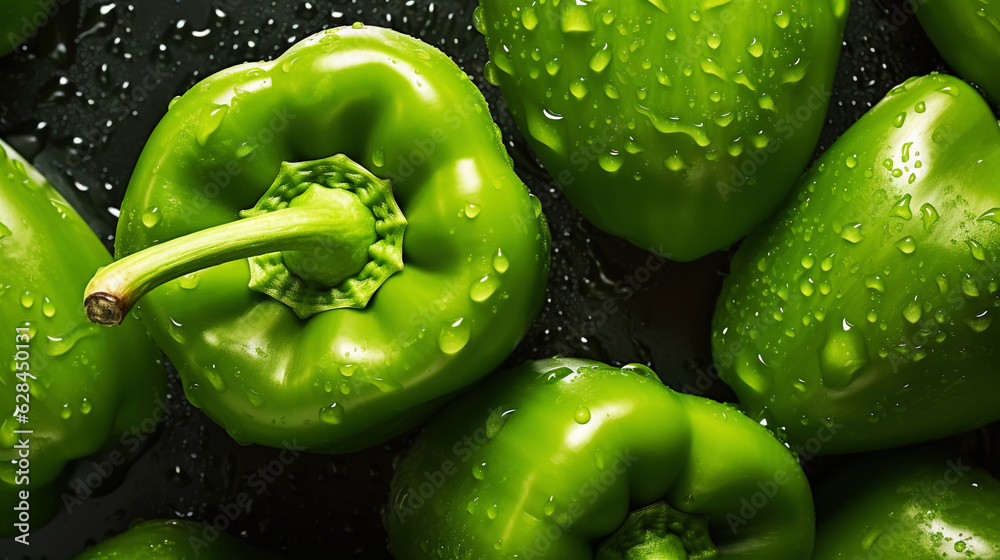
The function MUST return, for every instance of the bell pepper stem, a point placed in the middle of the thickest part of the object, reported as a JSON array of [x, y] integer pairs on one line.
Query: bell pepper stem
[[115, 288], [660, 532]]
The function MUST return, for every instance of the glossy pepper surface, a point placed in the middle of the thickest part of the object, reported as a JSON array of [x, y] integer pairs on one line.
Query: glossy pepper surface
[[545, 460], [74, 388], [919, 504], [339, 330], [868, 304], [676, 125], [172, 540], [967, 34], [19, 19]]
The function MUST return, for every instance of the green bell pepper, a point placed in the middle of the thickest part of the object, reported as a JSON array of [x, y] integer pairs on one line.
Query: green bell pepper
[[967, 34], [866, 304], [19, 19], [541, 461], [300, 321], [678, 126], [918, 504], [67, 388], [172, 539]]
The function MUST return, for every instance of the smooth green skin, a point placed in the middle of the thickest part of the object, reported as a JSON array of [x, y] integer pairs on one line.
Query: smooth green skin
[[48, 254], [645, 117], [171, 540], [18, 19], [642, 443], [891, 339], [376, 96], [967, 34], [919, 504]]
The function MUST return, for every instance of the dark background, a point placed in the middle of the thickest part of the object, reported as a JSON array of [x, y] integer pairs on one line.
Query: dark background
[[82, 96]]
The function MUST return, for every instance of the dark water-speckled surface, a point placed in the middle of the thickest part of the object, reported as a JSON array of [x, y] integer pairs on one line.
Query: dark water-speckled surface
[[81, 98]]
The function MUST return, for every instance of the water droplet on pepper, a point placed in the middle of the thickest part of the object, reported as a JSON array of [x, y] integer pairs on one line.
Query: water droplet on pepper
[[454, 336], [843, 354], [333, 414]]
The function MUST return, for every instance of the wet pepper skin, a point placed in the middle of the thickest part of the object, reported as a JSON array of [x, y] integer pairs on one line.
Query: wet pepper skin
[[547, 459], [171, 540], [475, 252], [676, 125], [967, 34], [83, 386], [918, 504], [868, 304]]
